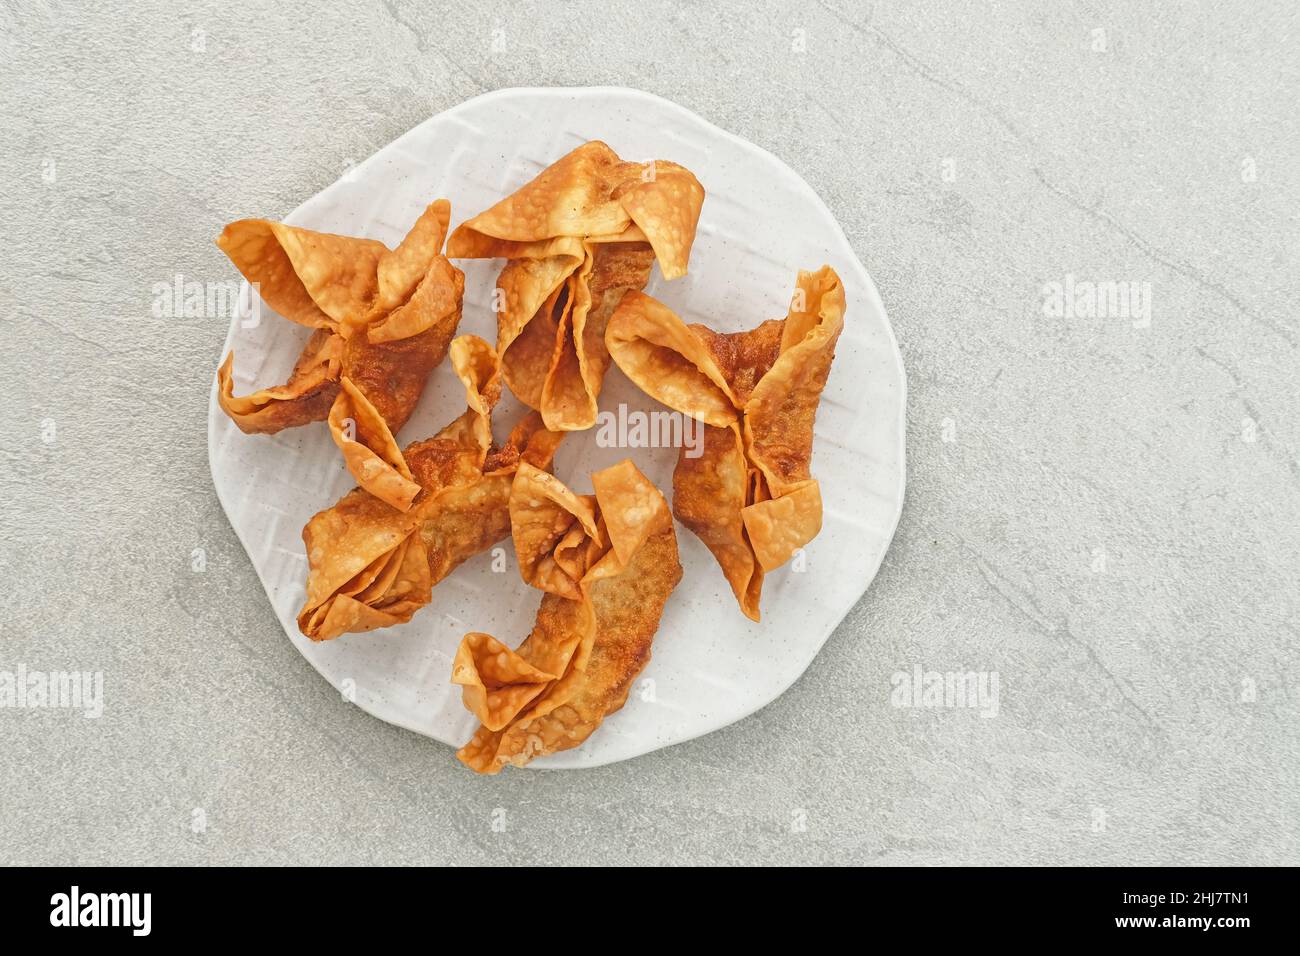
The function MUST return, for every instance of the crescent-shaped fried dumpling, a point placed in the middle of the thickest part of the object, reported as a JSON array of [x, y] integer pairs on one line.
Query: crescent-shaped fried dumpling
[[608, 563], [749, 495], [586, 230], [370, 565], [383, 319]]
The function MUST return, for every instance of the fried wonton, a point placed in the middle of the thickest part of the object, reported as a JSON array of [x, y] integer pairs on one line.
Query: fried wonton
[[607, 563], [372, 566], [383, 319], [587, 229], [750, 495]]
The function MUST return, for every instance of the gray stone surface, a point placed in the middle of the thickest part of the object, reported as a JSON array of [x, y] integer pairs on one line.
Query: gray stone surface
[[1100, 530]]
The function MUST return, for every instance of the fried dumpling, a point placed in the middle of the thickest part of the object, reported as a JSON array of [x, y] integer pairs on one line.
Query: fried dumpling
[[371, 565], [586, 230], [384, 319], [607, 563], [750, 495]]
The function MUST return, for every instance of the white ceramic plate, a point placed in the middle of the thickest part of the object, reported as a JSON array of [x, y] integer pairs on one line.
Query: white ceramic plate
[[761, 223]]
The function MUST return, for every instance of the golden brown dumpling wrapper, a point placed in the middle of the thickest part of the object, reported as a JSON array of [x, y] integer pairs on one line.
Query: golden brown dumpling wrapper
[[590, 193], [316, 279], [551, 528], [384, 319], [670, 361], [709, 497], [369, 448], [403, 270], [534, 297], [497, 682], [370, 565], [577, 665], [749, 496], [586, 230], [306, 397]]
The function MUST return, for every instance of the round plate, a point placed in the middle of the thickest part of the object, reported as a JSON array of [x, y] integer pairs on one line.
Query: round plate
[[761, 223]]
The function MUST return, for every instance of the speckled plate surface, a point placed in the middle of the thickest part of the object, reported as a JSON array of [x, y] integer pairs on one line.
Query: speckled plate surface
[[761, 223]]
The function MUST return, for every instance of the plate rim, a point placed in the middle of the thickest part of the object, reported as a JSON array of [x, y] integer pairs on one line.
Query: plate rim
[[846, 247]]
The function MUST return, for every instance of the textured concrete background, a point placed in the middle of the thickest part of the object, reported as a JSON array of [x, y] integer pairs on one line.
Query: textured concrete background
[[1105, 515]]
